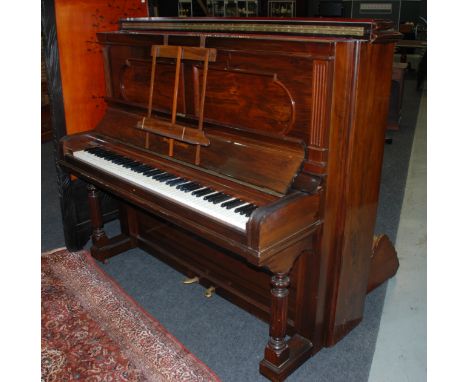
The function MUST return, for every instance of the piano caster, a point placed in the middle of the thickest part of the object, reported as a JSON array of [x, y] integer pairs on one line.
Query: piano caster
[[209, 292], [192, 280]]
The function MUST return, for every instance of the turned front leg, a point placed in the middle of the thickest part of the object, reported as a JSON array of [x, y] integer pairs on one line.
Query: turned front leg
[[277, 350], [103, 247], [98, 236]]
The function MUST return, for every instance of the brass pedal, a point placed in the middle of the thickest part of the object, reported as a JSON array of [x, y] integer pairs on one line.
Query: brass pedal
[[192, 280], [209, 292]]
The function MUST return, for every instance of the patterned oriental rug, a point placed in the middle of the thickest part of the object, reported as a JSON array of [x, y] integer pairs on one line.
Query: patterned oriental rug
[[93, 331]]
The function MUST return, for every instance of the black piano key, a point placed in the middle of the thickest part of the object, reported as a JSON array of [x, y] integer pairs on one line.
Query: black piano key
[[203, 191], [214, 199], [221, 198], [146, 169], [119, 159], [128, 164], [185, 185], [162, 174], [192, 188], [92, 150], [209, 197], [249, 211], [164, 177], [232, 203], [111, 157], [241, 210], [106, 153], [132, 164], [189, 186], [122, 160], [153, 171], [100, 154], [157, 176], [110, 154], [169, 177], [141, 168], [100, 150], [175, 182]]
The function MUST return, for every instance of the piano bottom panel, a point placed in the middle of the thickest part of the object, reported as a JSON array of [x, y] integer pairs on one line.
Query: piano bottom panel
[[235, 279]]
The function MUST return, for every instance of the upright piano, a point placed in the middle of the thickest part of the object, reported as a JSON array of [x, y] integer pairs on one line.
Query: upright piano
[[247, 154]]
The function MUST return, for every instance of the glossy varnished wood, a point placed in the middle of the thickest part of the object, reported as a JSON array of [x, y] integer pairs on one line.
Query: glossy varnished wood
[[253, 158], [357, 132], [81, 57], [384, 262], [294, 121]]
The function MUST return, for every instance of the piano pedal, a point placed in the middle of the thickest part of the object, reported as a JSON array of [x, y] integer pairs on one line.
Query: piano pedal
[[209, 292], [191, 280]]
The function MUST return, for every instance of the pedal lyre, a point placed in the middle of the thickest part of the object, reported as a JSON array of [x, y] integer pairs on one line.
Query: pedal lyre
[[192, 280]]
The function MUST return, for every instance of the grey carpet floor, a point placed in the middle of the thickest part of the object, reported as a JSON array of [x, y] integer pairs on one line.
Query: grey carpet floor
[[227, 339]]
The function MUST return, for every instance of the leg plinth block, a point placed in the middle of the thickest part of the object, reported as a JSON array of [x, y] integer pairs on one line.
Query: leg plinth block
[[299, 351]]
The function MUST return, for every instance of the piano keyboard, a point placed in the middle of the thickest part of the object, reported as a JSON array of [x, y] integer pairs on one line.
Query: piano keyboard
[[184, 191]]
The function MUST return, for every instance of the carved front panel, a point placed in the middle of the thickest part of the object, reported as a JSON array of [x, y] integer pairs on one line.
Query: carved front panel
[[248, 99], [135, 79]]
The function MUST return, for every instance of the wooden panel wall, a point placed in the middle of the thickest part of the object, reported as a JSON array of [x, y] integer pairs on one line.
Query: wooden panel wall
[[81, 63]]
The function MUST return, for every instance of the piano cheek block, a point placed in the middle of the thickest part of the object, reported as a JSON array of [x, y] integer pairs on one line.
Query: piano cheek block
[[283, 223]]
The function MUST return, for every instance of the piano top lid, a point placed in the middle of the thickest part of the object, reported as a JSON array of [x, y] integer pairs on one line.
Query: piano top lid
[[357, 29]]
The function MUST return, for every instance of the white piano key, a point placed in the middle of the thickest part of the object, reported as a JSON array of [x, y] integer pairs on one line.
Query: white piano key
[[162, 189]]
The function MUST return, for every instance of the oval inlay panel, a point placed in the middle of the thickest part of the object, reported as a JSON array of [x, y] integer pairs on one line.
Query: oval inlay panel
[[135, 84], [252, 100]]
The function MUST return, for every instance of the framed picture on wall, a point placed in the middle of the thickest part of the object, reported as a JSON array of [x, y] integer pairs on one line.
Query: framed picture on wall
[[280, 8]]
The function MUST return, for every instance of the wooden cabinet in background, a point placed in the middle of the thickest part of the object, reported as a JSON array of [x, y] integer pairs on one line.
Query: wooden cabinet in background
[[81, 59], [46, 122]]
